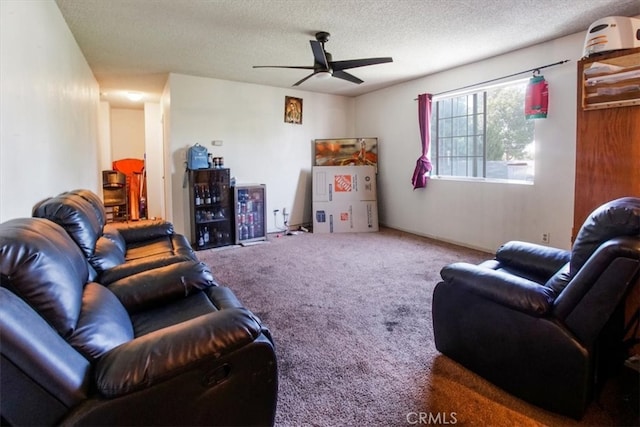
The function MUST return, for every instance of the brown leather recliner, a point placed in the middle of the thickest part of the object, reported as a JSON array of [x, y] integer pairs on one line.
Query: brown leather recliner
[[173, 350], [539, 321]]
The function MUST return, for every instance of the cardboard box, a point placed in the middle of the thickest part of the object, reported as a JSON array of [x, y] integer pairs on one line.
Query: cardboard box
[[343, 183], [345, 217]]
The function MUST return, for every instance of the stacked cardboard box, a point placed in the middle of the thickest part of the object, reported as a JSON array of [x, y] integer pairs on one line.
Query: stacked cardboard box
[[344, 199]]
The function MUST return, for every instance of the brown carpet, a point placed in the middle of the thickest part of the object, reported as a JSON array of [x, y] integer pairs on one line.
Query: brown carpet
[[351, 319]]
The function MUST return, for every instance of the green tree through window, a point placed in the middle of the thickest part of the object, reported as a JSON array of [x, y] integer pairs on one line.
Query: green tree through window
[[484, 134], [509, 133]]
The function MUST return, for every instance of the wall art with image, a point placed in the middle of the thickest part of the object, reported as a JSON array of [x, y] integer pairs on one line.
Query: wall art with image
[[293, 110]]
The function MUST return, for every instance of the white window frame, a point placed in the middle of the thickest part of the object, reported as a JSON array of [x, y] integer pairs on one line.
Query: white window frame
[[433, 149]]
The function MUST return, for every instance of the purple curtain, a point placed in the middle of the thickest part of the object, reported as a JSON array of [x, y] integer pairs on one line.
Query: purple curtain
[[423, 165]]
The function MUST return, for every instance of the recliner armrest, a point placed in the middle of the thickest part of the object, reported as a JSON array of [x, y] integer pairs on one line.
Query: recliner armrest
[[157, 286], [539, 261], [141, 231], [165, 353], [139, 266], [503, 288]]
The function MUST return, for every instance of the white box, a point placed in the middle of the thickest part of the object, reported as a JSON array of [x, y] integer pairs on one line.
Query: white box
[[342, 183], [345, 216]]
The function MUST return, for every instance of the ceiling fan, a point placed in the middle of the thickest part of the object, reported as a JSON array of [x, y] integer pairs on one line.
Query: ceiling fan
[[325, 67]]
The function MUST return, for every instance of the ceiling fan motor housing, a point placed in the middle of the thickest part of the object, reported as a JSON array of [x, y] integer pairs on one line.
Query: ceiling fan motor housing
[[322, 36]]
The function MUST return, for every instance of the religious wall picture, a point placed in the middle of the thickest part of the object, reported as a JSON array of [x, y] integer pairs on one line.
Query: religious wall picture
[[293, 110]]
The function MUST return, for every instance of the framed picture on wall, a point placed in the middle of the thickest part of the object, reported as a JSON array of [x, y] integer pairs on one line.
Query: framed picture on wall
[[293, 110], [346, 152]]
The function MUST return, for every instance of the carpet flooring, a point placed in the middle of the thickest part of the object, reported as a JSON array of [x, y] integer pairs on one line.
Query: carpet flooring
[[351, 318]]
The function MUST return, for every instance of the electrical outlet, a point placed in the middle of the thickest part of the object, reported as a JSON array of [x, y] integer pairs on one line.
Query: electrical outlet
[[216, 143], [546, 237]]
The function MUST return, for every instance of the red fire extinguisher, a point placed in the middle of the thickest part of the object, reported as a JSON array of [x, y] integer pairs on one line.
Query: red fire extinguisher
[[536, 101]]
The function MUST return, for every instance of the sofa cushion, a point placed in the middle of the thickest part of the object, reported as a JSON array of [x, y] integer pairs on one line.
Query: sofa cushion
[[103, 324], [41, 264], [76, 215], [108, 254], [96, 203], [620, 217], [212, 299], [32, 345], [141, 231], [530, 260], [166, 246], [139, 265], [560, 280], [116, 237], [161, 354]]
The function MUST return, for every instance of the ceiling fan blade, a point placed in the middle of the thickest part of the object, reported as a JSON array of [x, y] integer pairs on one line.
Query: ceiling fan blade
[[318, 54], [324, 66], [346, 76], [303, 80], [284, 66], [354, 63]]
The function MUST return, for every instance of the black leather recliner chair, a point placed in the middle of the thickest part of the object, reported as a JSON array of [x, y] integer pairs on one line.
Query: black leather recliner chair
[[173, 350], [537, 321]]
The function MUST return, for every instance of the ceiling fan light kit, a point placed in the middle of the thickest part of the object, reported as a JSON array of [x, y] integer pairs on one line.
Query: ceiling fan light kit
[[324, 75], [324, 67]]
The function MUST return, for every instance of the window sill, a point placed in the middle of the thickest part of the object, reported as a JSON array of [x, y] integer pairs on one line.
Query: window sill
[[480, 180]]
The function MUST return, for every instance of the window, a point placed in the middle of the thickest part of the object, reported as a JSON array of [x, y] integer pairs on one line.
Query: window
[[484, 134]]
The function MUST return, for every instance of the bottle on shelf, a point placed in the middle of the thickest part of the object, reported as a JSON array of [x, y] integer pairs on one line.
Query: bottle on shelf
[[207, 195], [215, 198], [206, 236], [200, 238], [198, 198]]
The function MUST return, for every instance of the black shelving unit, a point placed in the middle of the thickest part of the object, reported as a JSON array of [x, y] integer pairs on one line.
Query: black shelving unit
[[210, 199]]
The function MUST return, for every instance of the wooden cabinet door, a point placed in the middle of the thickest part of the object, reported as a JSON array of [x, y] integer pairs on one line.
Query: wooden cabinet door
[[607, 151]]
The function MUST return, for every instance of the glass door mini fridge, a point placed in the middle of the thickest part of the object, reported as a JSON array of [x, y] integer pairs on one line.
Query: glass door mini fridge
[[250, 213]]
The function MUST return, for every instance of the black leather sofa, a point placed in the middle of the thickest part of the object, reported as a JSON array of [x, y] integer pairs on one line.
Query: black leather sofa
[[161, 344], [545, 324], [117, 249]]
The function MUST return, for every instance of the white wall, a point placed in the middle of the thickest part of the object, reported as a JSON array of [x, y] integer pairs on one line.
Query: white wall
[[104, 136], [167, 168], [154, 160], [258, 146], [127, 133], [479, 214], [49, 109]]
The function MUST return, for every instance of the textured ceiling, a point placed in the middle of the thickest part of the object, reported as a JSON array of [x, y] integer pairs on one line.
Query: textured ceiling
[[132, 45]]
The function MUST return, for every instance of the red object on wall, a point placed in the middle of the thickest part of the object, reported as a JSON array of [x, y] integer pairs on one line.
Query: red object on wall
[[536, 101]]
